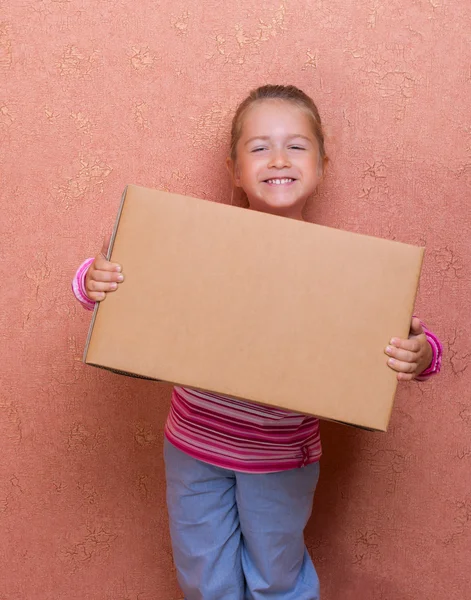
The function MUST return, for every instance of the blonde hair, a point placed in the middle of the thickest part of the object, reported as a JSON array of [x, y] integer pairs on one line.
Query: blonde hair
[[288, 93]]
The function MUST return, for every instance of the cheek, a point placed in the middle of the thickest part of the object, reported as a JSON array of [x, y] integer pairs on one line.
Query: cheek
[[314, 169], [247, 171]]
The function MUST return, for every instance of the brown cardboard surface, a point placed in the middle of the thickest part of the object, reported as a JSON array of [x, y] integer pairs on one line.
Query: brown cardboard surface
[[255, 306]]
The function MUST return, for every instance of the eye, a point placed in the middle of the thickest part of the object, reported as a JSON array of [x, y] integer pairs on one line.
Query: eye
[[296, 147], [258, 149]]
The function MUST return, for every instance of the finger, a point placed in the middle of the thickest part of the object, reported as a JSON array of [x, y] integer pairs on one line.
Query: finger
[[402, 355], [405, 376], [103, 264], [96, 296], [100, 275], [412, 344], [101, 286], [401, 366], [416, 327], [102, 261]]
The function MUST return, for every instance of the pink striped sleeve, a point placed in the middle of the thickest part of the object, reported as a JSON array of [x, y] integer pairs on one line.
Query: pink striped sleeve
[[78, 285], [437, 351]]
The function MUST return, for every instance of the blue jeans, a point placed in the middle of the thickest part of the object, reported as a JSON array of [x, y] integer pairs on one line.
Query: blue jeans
[[239, 536]]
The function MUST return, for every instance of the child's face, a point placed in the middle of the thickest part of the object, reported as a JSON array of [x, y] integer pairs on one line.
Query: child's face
[[277, 161]]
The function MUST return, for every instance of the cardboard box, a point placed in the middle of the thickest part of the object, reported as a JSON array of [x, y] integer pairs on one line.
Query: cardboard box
[[255, 306]]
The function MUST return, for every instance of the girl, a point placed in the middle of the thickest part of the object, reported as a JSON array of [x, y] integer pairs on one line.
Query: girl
[[240, 476]]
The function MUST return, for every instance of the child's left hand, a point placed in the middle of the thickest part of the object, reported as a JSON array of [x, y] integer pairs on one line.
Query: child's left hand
[[412, 356]]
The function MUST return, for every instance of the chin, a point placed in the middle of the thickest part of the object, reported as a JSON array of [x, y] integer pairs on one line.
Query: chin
[[281, 204]]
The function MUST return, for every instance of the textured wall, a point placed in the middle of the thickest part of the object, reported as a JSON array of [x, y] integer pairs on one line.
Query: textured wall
[[98, 93]]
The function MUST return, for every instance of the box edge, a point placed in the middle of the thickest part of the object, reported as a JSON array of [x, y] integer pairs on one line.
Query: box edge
[[108, 256]]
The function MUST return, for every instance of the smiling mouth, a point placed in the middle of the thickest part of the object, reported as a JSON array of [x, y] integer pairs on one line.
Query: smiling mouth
[[278, 181]]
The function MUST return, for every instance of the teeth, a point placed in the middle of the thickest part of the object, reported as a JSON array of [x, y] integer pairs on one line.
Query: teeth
[[280, 181]]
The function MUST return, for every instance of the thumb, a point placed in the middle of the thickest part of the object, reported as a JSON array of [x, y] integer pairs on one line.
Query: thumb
[[106, 245], [416, 326]]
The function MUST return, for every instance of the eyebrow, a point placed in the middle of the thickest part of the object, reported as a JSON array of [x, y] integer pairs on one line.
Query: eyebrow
[[267, 137]]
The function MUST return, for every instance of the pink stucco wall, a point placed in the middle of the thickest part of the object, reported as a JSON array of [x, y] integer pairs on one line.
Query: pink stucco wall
[[95, 94]]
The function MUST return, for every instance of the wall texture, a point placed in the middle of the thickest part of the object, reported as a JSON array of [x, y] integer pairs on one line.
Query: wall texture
[[95, 94]]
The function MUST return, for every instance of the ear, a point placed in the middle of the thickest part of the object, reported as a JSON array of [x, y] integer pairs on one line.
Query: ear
[[322, 168], [234, 171]]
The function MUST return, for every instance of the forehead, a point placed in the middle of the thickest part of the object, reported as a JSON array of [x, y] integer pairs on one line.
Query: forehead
[[275, 117]]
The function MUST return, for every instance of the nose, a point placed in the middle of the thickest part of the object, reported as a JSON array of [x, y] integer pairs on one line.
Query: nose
[[279, 159]]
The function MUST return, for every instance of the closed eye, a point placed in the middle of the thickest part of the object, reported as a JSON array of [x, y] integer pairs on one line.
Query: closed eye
[[297, 148], [258, 149]]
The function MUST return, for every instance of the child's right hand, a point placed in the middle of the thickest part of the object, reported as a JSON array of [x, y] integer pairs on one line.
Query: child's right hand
[[102, 276]]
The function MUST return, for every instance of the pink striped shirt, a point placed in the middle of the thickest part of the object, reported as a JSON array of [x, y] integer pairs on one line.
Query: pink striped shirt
[[237, 434]]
